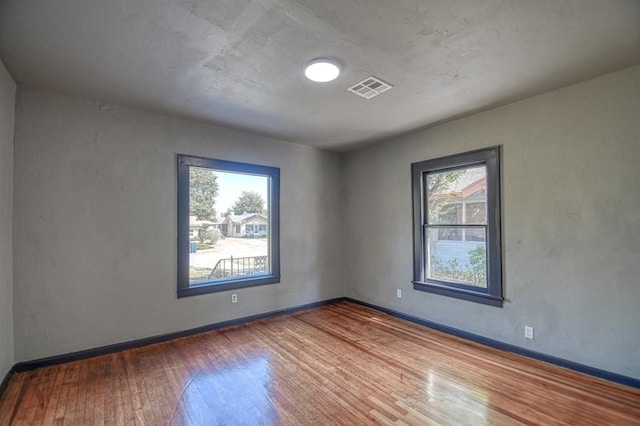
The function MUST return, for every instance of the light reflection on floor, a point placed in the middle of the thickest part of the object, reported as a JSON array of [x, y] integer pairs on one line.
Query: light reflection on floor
[[230, 394], [443, 395]]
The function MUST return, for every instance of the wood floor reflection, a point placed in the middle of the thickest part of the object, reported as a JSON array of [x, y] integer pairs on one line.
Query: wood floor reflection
[[337, 364]]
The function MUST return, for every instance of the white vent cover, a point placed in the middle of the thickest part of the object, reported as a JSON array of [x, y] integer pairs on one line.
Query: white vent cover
[[369, 87]]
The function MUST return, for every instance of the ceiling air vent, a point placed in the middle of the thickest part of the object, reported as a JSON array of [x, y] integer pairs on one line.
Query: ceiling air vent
[[370, 87]]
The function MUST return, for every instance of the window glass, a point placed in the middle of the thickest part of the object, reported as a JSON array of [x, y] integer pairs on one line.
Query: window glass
[[223, 203], [457, 248]]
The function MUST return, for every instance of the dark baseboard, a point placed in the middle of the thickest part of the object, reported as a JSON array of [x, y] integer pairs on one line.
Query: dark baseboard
[[105, 350], [117, 347], [561, 362], [5, 380]]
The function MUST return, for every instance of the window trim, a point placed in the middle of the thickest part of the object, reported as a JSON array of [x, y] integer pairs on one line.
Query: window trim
[[186, 161], [493, 295]]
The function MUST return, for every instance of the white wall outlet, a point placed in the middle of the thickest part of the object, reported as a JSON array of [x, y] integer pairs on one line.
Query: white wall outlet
[[234, 298], [399, 293], [528, 332]]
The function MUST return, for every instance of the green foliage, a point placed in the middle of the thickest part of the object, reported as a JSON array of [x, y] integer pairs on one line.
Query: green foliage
[[248, 202], [203, 246], [198, 274], [478, 260], [209, 236], [475, 274], [202, 193], [439, 184]]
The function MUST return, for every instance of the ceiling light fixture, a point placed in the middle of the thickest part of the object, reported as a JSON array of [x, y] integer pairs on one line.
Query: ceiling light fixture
[[322, 70]]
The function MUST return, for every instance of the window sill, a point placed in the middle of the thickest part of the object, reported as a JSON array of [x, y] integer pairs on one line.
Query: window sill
[[214, 287], [458, 293]]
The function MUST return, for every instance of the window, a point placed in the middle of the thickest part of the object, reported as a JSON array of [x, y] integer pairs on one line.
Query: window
[[456, 221], [215, 198]]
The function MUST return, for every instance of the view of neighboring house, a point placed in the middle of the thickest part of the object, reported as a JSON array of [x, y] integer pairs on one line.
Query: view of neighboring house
[[463, 202], [246, 225], [195, 225], [251, 225]]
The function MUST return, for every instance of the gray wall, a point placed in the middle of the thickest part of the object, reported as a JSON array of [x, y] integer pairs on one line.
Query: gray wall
[[7, 110], [571, 222], [95, 224]]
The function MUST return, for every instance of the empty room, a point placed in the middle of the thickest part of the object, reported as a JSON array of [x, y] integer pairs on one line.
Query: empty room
[[298, 212]]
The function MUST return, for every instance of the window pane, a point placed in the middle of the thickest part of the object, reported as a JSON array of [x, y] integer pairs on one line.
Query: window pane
[[457, 197], [476, 213], [229, 225], [461, 260]]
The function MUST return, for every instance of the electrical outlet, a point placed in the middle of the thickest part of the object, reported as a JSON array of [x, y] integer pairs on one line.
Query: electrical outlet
[[234, 298], [528, 332], [399, 293]]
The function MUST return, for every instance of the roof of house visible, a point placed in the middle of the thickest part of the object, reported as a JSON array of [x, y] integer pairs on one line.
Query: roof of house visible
[[473, 180], [244, 217], [193, 221], [471, 176]]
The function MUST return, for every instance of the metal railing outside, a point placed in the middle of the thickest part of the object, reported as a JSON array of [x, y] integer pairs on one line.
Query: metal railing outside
[[239, 267]]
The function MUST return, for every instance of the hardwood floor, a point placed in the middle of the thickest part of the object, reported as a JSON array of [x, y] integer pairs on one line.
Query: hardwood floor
[[337, 364]]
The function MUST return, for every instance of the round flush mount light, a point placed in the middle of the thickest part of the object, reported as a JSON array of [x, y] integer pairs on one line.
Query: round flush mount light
[[322, 70]]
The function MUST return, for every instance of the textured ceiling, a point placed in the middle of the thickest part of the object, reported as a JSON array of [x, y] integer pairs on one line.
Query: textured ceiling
[[240, 63]]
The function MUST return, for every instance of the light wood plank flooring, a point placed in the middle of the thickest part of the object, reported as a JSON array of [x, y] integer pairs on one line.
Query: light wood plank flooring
[[337, 364]]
